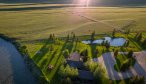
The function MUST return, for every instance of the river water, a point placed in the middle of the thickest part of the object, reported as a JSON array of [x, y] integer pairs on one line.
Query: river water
[[12, 67]]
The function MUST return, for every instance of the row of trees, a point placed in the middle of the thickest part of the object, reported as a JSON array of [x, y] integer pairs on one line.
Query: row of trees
[[97, 70], [71, 37]]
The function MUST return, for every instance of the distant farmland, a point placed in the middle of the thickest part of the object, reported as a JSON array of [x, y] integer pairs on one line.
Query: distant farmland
[[31, 22]]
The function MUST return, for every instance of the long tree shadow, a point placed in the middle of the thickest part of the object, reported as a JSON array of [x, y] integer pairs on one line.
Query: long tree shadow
[[58, 61], [136, 44], [48, 60], [41, 53]]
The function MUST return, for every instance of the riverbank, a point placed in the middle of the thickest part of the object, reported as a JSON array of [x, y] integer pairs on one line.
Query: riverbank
[[29, 63]]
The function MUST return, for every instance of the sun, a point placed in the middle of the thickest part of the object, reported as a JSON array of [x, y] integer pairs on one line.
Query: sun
[[84, 2]]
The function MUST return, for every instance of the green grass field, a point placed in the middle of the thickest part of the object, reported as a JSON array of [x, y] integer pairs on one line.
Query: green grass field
[[30, 23]]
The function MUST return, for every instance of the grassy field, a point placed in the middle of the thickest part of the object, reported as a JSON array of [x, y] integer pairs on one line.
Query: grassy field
[[30, 23]]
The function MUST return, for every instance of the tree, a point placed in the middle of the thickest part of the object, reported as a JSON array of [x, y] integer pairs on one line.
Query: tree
[[73, 36], [107, 45], [116, 53], [128, 31], [138, 37], [92, 37], [127, 43], [144, 43], [51, 37], [61, 71], [114, 32], [130, 54], [67, 38], [66, 53], [96, 51], [84, 53]]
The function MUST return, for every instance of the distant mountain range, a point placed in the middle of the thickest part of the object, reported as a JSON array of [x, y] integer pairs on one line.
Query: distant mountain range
[[94, 2]]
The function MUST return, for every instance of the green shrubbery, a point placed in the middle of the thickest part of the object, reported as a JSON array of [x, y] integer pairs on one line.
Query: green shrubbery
[[67, 71], [90, 65]]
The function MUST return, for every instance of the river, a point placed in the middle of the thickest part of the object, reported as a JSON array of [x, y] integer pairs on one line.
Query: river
[[12, 67]]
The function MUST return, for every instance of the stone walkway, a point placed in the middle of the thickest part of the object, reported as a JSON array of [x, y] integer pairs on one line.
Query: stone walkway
[[108, 61]]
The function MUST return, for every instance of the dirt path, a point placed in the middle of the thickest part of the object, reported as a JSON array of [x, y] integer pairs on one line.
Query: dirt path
[[107, 60], [12, 67]]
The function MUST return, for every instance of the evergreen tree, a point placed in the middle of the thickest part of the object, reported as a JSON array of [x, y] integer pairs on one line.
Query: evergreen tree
[[92, 37], [130, 54], [139, 37], [67, 38], [128, 31], [66, 53], [144, 43], [107, 45], [113, 33], [116, 53]]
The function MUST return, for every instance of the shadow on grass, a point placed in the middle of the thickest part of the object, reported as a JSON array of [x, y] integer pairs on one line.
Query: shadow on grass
[[135, 43], [43, 51], [56, 62], [47, 61]]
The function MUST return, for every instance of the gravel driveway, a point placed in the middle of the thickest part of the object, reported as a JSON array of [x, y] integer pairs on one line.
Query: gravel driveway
[[107, 60]]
